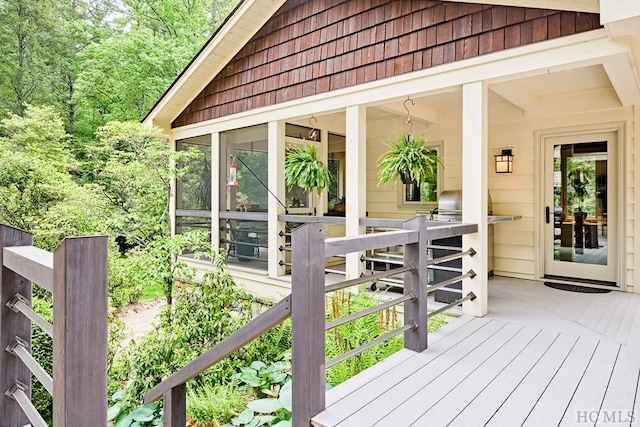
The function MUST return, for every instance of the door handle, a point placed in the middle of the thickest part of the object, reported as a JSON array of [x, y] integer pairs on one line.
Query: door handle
[[548, 214]]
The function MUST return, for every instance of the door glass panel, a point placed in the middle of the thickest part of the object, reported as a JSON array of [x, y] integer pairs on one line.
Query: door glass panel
[[580, 203]]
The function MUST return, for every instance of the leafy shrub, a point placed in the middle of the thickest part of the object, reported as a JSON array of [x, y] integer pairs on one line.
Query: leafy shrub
[[124, 414], [202, 316], [42, 351], [211, 405], [354, 334], [272, 385]]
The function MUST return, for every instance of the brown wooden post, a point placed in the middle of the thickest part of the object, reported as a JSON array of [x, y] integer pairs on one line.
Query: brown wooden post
[[80, 332], [416, 311], [13, 325], [175, 406], [307, 308]]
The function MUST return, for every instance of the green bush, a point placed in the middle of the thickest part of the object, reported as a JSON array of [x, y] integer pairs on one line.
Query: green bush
[[211, 405], [202, 316], [42, 351]]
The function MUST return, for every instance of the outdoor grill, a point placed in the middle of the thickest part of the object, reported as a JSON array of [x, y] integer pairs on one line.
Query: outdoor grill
[[450, 210]]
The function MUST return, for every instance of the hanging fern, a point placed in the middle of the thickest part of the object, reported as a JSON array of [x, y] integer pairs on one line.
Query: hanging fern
[[302, 168], [408, 155]]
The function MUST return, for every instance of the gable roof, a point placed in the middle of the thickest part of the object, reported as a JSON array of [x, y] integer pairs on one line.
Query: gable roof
[[244, 22]]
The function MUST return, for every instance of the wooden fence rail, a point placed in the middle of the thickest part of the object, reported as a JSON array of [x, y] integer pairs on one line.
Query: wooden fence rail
[[76, 274]]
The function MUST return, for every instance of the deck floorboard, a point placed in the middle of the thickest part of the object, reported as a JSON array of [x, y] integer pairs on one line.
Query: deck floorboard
[[540, 357]]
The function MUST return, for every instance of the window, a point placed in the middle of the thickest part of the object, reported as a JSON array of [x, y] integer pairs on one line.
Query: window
[[423, 194], [193, 189]]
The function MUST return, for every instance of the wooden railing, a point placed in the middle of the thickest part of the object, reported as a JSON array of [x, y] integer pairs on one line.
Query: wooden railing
[[306, 306], [76, 274]]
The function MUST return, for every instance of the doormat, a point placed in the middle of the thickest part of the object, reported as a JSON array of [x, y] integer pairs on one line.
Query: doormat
[[576, 288]]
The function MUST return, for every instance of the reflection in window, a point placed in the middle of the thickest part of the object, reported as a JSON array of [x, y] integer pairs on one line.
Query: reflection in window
[[426, 191], [193, 190]]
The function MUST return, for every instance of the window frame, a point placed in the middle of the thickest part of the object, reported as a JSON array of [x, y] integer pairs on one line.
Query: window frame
[[407, 204]]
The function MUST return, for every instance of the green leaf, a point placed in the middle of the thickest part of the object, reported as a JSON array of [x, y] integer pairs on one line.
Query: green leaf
[[120, 395], [285, 398], [243, 418], [265, 406], [284, 423], [258, 364], [114, 411], [142, 414], [124, 420]]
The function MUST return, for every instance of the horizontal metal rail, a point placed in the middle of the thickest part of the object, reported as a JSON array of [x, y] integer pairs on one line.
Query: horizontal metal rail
[[393, 281], [244, 216], [471, 252], [193, 213], [344, 245], [334, 324], [445, 268], [254, 258], [248, 230], [382, 338], [303, 219], [32, 263], [284, 248], [255, 328], [381, 260], [470, 296], [331, 270], [444, 248], [18, 348], [454, 290], [470, 274], [17, 393], [282, 234], [367, 278], [243, 243], [19, 304], [282, 263]]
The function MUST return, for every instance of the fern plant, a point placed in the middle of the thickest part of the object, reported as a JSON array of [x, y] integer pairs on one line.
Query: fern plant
[[408, 157], [303, 168]]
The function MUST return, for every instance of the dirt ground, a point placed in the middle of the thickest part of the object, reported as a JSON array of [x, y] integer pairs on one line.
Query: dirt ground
[[140, 317]]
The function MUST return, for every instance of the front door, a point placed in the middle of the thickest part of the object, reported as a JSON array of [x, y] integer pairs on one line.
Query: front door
[[579, 202]]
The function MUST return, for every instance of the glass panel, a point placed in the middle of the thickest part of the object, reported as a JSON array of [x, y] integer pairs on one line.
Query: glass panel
[[426, 191], [246, 243], [193, 190], [580, 203], [192, 223]]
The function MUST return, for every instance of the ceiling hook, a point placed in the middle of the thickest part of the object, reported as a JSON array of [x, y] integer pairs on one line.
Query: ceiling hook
[[313, 133], [407, 119]]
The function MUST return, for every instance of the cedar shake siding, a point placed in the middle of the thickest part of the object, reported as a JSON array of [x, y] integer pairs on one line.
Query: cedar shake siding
[[314, 46]]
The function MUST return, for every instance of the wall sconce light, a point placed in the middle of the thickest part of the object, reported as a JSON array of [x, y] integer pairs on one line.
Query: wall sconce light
[[504, 161]]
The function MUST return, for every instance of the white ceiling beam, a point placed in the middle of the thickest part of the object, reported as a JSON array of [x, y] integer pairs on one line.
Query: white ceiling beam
[[418, 112], [517, 94], [623, 78], [591, 6]]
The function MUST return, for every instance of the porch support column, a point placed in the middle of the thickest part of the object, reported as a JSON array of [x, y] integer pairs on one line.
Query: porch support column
[[173, 188], [475, 190], [276, 184], [635, 158], [356, 181], [215, 191]]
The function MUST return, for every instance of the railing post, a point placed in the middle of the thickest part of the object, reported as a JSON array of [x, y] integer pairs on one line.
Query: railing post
[[415, 254], [308, 320], [80, 332], [13, 325], [174, 409]]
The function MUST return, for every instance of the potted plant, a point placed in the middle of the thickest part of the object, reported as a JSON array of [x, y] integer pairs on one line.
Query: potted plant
[[303, 168], [580, 176], [408, 158]]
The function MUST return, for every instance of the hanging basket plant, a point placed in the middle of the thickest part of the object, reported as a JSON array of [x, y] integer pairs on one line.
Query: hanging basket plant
[[303, 168], [408, 158]]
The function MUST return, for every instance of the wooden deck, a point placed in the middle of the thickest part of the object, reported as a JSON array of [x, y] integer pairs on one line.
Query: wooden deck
[[541, 357]]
